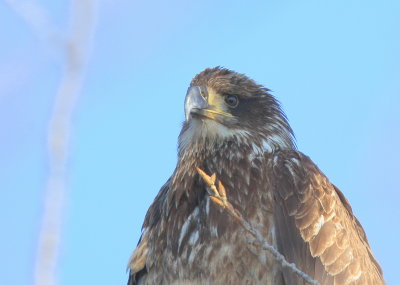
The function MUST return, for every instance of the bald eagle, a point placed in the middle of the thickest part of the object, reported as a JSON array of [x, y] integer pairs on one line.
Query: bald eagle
[[235, 128]]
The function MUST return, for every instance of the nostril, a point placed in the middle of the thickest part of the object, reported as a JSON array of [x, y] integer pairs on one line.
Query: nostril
[[203, 92]]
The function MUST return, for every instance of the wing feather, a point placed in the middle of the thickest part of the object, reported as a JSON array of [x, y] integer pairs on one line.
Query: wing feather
[[316, 228], [140, 260], [137, 262]]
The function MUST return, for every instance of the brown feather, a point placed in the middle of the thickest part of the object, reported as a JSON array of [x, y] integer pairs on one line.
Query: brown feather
[[325, 222], [189, 240]]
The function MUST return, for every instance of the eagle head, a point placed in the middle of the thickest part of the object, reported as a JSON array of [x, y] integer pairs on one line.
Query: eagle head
[[225, 106]]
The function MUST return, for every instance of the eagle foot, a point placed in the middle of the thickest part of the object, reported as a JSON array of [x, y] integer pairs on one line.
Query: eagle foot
[[218, 194], [219, 197]]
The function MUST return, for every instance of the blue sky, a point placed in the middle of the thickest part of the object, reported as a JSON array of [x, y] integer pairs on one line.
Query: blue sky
[[335, 67]]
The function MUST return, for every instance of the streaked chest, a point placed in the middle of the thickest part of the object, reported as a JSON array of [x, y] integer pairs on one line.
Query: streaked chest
[[200, 240]]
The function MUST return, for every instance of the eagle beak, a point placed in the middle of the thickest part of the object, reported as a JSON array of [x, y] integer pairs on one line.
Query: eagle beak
[[196, 100]]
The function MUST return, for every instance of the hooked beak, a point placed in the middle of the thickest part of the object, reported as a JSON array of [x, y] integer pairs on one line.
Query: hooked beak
[[195, 101], [205, 103]]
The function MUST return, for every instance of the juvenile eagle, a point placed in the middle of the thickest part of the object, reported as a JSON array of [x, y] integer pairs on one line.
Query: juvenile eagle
[[236, 129]]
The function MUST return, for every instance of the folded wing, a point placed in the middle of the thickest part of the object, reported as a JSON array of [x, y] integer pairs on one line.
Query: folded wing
[[316, 228]]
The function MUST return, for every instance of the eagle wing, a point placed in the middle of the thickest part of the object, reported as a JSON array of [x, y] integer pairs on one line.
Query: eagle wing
[[139, 261], [316, 228]]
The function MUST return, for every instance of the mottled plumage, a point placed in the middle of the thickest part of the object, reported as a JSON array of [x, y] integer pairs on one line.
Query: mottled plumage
[[236, 129]]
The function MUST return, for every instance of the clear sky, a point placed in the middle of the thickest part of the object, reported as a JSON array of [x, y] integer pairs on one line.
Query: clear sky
[[334, 66]]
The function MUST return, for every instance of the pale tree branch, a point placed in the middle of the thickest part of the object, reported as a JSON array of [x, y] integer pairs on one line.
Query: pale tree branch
[[75, 47], [37, 19], [219, 197]]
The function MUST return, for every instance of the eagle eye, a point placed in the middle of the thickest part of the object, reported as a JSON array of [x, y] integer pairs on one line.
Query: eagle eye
[[231, 100]]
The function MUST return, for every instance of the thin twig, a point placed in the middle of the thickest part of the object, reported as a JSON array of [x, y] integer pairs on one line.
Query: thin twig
[[218, 196], [36, 18], [76, 50]]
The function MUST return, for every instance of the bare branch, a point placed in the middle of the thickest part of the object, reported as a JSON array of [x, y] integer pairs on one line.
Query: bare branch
[[76, 53], [37, 19], [218, 195]]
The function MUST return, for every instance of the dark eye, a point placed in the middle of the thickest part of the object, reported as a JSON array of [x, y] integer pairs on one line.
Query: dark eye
[[231, 100]]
